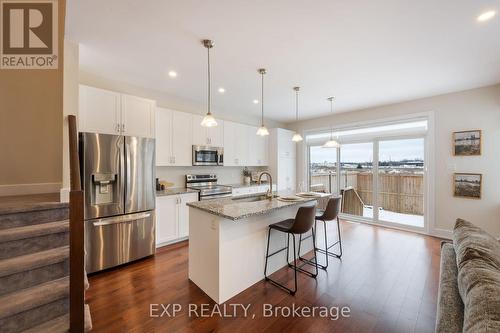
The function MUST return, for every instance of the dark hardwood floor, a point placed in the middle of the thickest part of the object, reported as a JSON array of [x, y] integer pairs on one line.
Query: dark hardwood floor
[[388, 279]]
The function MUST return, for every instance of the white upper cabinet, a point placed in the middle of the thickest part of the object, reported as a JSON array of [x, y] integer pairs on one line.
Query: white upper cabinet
[[181, 138], [286, 145], [99, 111], [243, 147], [236, 144], [243, 141], [258, 148], [164, 137], [207, 136], [173, 138], [138, 116], [216, 134], [230, 150], [199, 132], [109, 112], [282, 159]]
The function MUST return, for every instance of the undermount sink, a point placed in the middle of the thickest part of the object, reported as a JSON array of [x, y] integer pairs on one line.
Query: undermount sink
[[254, 198]]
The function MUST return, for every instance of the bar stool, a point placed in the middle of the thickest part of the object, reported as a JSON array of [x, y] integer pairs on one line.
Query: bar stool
[[331, 213], [301, 224]]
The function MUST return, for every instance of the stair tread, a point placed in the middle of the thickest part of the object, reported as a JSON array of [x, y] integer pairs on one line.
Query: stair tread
[[60, 324], [33, 260], [56, 325], [18, 204], [29, 298], [36, 230]]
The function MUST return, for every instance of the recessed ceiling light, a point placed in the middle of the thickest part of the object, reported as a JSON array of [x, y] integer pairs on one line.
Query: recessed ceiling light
[[172, 73], [486, 16], [255, 101], [222, 90]]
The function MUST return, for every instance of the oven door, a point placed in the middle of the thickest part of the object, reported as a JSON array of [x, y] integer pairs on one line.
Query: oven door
[[205, 155], [215, 196]]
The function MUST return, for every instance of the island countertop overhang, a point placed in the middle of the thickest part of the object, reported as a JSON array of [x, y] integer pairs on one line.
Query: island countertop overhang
[[236, 210]]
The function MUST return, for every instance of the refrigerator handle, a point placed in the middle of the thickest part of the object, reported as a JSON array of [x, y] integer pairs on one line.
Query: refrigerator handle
[[120, 219]]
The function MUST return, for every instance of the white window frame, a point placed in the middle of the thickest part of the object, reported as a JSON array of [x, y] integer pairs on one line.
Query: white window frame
[[429, 163]]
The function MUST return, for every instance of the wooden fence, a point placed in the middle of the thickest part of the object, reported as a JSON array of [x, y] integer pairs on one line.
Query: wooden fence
[[398, 192]]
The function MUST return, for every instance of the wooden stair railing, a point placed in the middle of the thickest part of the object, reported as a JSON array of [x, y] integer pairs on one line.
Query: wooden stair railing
[[76, 238]]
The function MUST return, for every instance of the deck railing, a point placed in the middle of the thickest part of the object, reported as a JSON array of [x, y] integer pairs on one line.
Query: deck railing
[[400, 192]]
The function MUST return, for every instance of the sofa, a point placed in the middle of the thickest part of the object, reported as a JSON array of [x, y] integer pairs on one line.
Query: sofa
[[469, 282]]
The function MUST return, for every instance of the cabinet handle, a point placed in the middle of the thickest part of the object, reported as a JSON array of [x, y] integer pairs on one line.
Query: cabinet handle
[[123, 128], [117, 127]]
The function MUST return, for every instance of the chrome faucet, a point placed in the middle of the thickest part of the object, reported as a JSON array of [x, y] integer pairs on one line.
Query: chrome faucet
[[269, 193]]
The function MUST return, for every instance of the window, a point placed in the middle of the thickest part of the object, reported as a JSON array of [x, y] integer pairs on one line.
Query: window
[[380, 171]]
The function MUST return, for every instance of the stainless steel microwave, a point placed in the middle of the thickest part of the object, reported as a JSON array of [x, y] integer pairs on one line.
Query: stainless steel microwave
[[204, 155]]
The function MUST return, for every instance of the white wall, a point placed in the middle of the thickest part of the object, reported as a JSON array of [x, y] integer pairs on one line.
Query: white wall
[[225, 175], [70, 107], [472, 109]]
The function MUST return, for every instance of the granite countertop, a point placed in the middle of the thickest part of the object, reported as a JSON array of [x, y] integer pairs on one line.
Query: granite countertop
[[175, 191], [239, 209]]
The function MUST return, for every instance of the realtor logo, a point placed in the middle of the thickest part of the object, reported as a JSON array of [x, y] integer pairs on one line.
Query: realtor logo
[[28, 34]]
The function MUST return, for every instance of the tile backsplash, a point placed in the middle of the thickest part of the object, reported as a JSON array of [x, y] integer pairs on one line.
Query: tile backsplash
[[225, 175]]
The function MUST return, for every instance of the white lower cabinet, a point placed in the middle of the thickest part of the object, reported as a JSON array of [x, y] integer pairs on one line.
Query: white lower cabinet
[[172, 217]]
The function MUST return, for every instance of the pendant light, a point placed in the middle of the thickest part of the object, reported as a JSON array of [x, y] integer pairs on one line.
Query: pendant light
[[262, 131], [331, 143], [297, 137], [209, 120]]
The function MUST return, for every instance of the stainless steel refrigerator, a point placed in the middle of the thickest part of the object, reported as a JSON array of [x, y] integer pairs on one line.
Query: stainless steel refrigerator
[[118, 175]]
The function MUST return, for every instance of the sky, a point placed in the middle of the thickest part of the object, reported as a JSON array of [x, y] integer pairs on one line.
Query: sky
[[392, 150]]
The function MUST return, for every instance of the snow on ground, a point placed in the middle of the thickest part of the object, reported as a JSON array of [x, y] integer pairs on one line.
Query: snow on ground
[[386, 215]]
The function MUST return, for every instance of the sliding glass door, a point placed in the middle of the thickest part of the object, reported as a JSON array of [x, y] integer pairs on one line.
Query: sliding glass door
[[401, 181], [356, 178], [323, 167], [382, 180]]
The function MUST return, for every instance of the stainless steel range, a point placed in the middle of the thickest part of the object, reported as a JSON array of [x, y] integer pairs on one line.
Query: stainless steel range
[[208, 187]]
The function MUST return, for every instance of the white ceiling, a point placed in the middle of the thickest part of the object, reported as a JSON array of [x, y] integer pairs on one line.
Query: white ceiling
[[365, 53]]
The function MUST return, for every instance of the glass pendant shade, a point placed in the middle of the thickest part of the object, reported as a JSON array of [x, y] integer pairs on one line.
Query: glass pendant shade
[[297, 137], [209, 121], [331, 144], [262, 131]]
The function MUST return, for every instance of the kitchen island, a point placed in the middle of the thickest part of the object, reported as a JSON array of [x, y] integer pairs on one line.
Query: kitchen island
[[228, 238]]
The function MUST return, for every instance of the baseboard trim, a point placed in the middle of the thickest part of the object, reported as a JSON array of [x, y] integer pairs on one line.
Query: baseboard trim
[[435, 232], [441, 233], [23, 189], [64, 195]]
